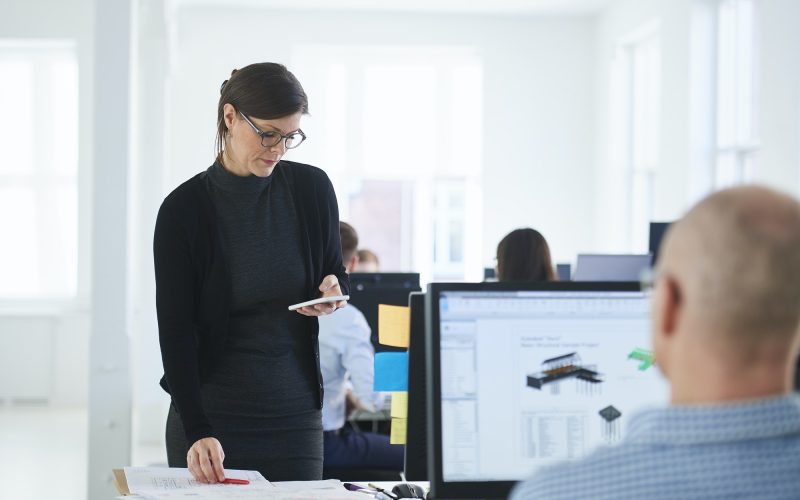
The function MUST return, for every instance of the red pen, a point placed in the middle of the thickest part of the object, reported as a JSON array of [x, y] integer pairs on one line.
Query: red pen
[[229, 480]]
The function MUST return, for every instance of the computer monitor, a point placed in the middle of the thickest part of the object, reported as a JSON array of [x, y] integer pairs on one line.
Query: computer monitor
[[564, 272], [526, 376], [608, 267], [416, 452], [797, 377], [657, 230], [367, 290]]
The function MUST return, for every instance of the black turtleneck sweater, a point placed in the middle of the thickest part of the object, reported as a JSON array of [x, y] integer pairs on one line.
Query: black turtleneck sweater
[[229, 252]]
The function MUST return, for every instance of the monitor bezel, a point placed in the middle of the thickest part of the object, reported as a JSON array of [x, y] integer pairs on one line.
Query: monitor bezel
[[478, 489], [415, 457], [578, 273]]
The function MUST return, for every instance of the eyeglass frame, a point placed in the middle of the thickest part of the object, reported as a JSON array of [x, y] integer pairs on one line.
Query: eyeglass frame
[[280, 136]]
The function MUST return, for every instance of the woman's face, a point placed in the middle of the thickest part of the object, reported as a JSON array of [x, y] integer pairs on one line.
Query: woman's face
[[244, 155]]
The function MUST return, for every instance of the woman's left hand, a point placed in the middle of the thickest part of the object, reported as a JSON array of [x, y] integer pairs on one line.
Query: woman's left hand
[[328, 287]]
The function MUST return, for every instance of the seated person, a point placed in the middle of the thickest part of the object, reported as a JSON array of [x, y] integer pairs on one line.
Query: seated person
[[523, 255], [367, 262], [346, 354], [726, 311]]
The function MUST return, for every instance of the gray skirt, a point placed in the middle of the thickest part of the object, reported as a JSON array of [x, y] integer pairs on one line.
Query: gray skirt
[[264, 413]]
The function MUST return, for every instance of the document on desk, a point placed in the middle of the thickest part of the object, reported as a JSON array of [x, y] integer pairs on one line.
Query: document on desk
[[162, 483]]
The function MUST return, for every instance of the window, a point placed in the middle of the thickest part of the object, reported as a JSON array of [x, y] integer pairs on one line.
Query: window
[[38, 174], [449, 226], [637, 110], [400, 134], [736, 144]]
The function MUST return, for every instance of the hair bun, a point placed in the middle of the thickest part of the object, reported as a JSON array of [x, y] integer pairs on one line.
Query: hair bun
[[221, 87]]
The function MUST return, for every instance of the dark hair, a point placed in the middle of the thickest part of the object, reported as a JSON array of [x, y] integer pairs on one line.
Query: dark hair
[[523, 255], [262, 90], [349, 239]]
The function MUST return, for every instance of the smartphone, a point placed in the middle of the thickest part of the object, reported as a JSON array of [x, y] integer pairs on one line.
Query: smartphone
[[321, 300]]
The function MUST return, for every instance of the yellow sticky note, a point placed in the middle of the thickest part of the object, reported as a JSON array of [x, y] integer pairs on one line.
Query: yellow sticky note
[[399, 426], [393, 325], [399, 405]]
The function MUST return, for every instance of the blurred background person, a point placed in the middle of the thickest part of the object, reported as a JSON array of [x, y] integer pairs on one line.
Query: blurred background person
[[347, 360], [523, 255], [367, 262]]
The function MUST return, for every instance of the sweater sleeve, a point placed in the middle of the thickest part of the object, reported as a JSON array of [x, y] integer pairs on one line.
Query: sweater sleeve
[[332, 251], [175, 306]]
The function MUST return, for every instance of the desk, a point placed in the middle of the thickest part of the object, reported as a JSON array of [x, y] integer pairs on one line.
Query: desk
[[361, 417], [173, 483]]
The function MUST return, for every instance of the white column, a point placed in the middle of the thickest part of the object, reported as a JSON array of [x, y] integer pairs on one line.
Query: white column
[[146, 191], [109, 358]]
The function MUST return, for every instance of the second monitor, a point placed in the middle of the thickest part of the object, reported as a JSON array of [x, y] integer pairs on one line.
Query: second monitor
[[368, 290], [523, 376], [611, 267], [416, 452]]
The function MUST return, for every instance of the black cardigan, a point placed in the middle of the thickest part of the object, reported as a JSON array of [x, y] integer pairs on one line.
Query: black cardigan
[[193, 281]]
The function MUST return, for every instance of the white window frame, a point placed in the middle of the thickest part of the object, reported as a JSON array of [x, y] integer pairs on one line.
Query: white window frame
[[639, 177], [735, 105], [346, 166], [42, 177]]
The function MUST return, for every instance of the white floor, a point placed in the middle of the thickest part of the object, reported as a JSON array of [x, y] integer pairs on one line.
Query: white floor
[[44, 450]]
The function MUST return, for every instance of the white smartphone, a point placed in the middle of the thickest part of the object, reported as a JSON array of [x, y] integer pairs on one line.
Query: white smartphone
[[321, 300]]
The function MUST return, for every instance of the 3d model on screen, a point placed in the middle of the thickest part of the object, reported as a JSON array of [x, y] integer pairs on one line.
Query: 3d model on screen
[[643, 355], [611, 426], [565, 367]]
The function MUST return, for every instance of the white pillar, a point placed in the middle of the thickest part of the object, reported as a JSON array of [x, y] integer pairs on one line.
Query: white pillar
[[150, 402], [109, 358]]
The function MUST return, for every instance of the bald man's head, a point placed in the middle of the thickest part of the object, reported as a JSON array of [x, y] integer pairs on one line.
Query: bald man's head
[[736, 255]]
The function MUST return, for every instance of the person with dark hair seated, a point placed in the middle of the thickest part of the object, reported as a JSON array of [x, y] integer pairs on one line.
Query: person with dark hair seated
[[523, 255]]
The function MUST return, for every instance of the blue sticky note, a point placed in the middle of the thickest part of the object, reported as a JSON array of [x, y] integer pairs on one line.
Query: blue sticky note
[[391, 371]]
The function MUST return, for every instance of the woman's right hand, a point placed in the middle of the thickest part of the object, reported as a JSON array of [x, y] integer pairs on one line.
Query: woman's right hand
[[205, 460]]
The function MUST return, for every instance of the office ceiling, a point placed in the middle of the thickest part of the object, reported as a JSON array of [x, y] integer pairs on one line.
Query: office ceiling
[[529, 7]]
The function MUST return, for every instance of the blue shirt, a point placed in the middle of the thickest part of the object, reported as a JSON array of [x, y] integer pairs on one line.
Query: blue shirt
[[345, 355], [749, 449]]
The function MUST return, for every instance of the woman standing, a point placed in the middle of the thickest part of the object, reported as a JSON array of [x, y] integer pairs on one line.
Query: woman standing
[[233, 247]]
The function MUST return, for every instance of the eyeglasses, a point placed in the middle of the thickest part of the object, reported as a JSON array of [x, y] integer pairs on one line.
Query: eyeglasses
[[269, 138]]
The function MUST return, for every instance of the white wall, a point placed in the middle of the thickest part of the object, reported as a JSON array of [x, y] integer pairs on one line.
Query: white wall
[[778, 39], [538, 90], [683, 151], [617, 22]]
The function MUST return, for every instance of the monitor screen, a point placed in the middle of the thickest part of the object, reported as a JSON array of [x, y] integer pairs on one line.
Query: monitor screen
[[368, 290], [657, 230], [608, 267], [416, 459], [564, 272], [527, 376]]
